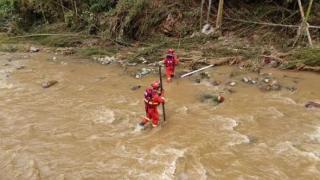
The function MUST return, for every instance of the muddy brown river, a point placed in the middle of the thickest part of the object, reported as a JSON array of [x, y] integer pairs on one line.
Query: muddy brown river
[[84, 127]]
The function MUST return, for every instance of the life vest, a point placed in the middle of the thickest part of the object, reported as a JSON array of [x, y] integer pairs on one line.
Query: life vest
[[170, 62], [149, 95]]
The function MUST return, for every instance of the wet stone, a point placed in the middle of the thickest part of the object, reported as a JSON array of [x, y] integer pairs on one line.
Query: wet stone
[[34, 49], [232, 83], [245, 80], [143, 72]]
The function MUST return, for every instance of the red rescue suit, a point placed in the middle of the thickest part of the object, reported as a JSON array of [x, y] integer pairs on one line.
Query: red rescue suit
[[170, 62], [152, 101]]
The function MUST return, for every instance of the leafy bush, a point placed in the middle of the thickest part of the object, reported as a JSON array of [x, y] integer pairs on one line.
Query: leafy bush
[[101, 5]]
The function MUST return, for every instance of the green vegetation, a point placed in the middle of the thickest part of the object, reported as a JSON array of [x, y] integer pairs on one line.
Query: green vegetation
[[302, 57], [96, 51]]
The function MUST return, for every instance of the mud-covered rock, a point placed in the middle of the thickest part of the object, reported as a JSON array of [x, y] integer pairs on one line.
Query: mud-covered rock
[[291, 88], [20, 67], [48, 84], [134, 88], [197, 80], [216, 83], [265, 87], [204, 75]]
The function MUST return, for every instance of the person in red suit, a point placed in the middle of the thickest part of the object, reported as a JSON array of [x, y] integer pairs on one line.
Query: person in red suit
[[170, 62], [152, 98]]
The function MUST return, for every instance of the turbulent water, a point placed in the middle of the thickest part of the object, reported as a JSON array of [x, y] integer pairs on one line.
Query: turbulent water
[[84, 126]]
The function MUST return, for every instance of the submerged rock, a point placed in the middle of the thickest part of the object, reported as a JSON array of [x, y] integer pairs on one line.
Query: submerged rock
[[291, 88], [215, 99], [312, 104], [20, 67], [48, 84], [135, 87]]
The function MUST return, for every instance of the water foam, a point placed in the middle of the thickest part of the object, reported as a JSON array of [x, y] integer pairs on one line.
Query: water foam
[[229, 125], [315, 136], [285, 100], [172, 156], [288, 149], [103, 116]]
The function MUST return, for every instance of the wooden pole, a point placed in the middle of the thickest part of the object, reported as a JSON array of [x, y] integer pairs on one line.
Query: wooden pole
[[201, 12], [209, 9], [309, 10], [201, 69], [304, 25], [161, 86], [220, 15]]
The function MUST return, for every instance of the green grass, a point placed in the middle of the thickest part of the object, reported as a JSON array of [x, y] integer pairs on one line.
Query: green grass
[[11, 48], [57, 41], [304, 56], [96, 51]]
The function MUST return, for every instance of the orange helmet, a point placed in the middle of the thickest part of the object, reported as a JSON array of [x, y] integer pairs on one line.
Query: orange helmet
[[171, 51], [155, 85]]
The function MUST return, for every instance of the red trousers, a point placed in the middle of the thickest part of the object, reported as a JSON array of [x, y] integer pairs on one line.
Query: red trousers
[[170, 72], [152, 115]]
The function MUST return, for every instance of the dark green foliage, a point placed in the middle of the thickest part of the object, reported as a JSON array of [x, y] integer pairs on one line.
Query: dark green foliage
[[101, 5]]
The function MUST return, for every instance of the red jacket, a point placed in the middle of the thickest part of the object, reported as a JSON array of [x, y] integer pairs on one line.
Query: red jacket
[[171, 61]]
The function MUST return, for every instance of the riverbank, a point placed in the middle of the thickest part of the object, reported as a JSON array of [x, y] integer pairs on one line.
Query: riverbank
[[193, 52]]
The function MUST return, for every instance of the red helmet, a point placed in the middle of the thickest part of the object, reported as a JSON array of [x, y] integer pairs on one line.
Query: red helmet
[[220, 99], [169, 55], [170, 51], [155, 85]]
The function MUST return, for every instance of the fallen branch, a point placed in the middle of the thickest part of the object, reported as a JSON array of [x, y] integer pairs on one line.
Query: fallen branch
[[310, 68], [273, 58]]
